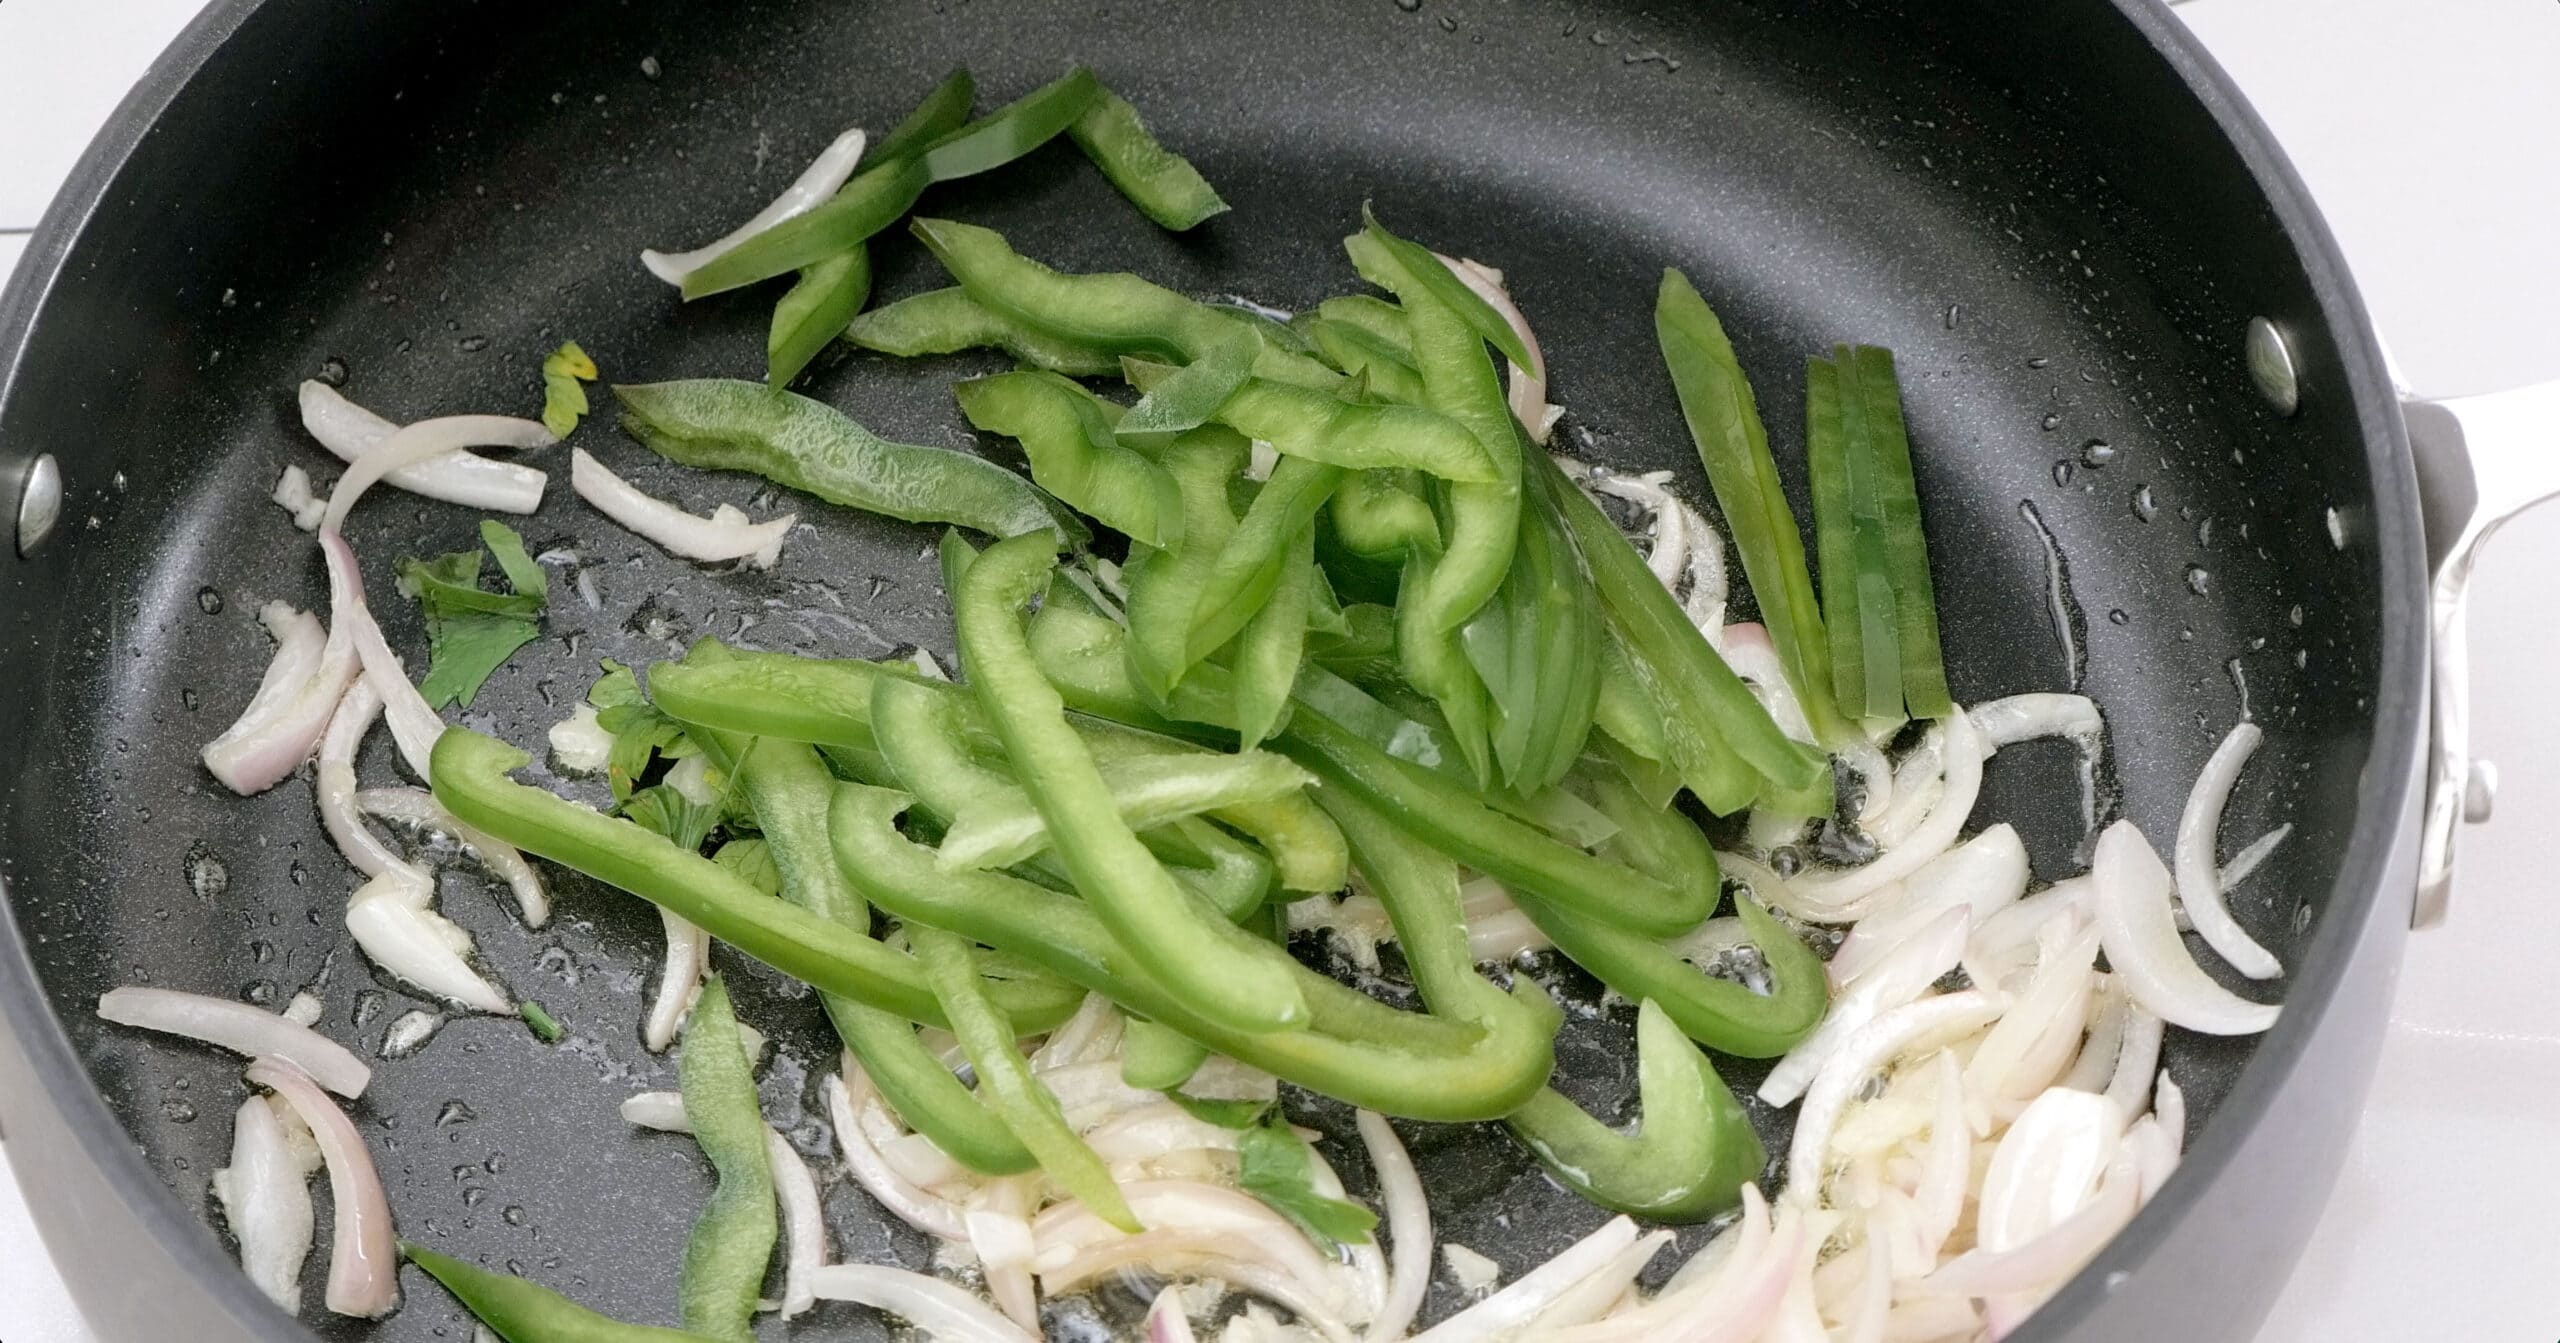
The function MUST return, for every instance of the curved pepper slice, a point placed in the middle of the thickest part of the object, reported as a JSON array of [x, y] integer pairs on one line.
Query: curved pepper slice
[[1164, 584], [469, 774], [1162, 184], [1249, 564], [1531, 645], [1273, 645], [1382, 515], [947, 321], [1068, 437], [1354, 1047], [940, 112], [1361, 354], [1321, 427], [732, 1237], [1508, 850], [1688, 1160], [1205, 959], [815, 311], [1717, 1013], [520, 1308]]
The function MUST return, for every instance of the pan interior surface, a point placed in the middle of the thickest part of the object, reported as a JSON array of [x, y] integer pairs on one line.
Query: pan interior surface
[[442, 193]]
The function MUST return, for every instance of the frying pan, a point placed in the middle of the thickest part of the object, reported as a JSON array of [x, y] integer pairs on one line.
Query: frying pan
[[2059, 216]]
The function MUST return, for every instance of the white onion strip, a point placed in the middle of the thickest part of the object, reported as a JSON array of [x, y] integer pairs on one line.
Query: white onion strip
[[1737, 1301], [2006, 722], [2053, 1255], [830, 170], [725, 535], [364, 1262], [1844, 894], [1498, 1315], [1901, 976], [240, 1028], [688, 954], [1408, 1228], [1232, 1257], [394, 924], [335, 784], [267, 1201], [1598, 1292], [941, 1311], [1986, 874], [802, 1219], [2137, 1057], [468, 479], [2143, 948], [1064, 1231], [1946, 1165], [2199, 885], [414, 723], [1872, 1046], [917, 1208], [423, 441]]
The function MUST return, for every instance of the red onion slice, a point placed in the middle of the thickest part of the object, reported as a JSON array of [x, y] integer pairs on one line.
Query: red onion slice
[[394, 924], [364, 1264], [1897, 979], [240, 1028], [1599, 1291], [423, 441], [831, 169], [1166, 1320], [335, 785], [468, 479], [941, 1311], [1911, 1027], [725, 535], [1874, 1305], [267, 1203], [925, 1212], [414, 723], [688, 954], [1408, 1228], [267, 741], [1738, 1301], [418, 807], [2143, 947], [2199, 885]]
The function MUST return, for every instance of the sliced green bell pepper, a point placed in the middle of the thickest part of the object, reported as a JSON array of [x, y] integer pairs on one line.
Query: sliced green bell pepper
[[1074, 455], [732, 1239], [1162, 184], [1688, 1159]]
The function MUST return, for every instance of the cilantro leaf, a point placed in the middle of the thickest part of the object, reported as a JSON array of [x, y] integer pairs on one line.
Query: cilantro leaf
[[753, 861], [471, 631], [615, 688], [1273, 1165], [507, 548], [564, 402], [662, 809]]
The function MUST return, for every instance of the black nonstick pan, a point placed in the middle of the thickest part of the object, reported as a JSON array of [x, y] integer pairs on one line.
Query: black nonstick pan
[[2057, 215]]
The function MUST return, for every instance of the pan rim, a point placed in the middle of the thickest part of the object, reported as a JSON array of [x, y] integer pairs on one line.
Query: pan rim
[[2375, 845]]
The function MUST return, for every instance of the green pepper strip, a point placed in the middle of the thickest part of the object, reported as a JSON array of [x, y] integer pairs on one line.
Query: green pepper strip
[[1158, 1058], [1248, 565], [1272, 646], [1011, 1091], [824, 298], [1162, 184], [1074, 454], [1717, 1013], [1383, 321], [1531, 645], [1364, 650], [947, 321], [1924, 668], [1354, 1047], [1164, 584], [1686, 1163], [732, 1238], [1849, 532], [1189, 396], [1382, 515], [879, 197], [1411, 733], [1711, 720], [1319, 426], [469, 774], [789, 789], [1360, 352], [723, 424], [1150, 791], [1203, 958], [520, 1311], [1085, 656], [1117, 312], [940, 112], [1508, 850]]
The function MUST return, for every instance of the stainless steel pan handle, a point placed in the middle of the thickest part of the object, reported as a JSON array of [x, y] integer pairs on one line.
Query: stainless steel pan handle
[[2481, 460]]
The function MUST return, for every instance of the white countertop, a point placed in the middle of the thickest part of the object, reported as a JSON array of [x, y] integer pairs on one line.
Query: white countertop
[[2431, 134]]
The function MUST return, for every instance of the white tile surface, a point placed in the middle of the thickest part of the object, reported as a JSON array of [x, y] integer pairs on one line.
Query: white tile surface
[[2431, 134]]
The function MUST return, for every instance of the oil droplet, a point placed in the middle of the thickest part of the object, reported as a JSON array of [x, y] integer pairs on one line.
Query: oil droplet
[[472, 1196], [2301, 658], [454, 1113], [261, 992], [206, 875], [188, 697], [368, 1006], [494, 1163], [1410, 6], [2038, 362], [2118, 616], [2337, 529], [2143, 505], [2295, 615], [262, 951], [473, 344], [333, 371], [1448, 24], [1955, 314], [2070, 626], [209, 600], [649, 67], [2097, 452], [464, 1173], [2198, 581], [2204, 532], [511, 1215], [178, 1110], [2052, 421], [2062, 471]]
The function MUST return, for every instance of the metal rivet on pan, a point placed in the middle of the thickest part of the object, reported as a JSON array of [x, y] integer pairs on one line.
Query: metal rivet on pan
[[2271, 366], [39, 503]]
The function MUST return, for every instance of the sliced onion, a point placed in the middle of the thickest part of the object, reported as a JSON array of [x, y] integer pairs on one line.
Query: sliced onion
[[422, 441], [1528, 385], [349, 431], [802, 1220], [2096, 1064], [1798, 1319], [920, 1161], [1179, 1207], [1408, 1228], [1167, 1322], [267, 1203], [2045, 1167], [660, 1110], [418, 807], [1092, 1033], [293, 495], [1000, 1235], [2017, 1059], [725, 535], [1847, 891], [335, 784], [1235, 1258], [291, 708], [240, 1028], [364, 1263], [2006, 722], [1985, 874], [2137, 1057], [414, 723], [1737, 1302], [917, 1208], [1499, 1315], [2003, 942], [2199, 885], [1874, 1304], [580, 745], [1946, 1166], [830, 170], [1869, 1048], [1933, 1319], [2047, 1259], [688, 954], [1746, 648], [395, 926], [941, 1311], [1598, 1291], [1901, 976], [1136, 1137], [1919, 780], [2143, 947]]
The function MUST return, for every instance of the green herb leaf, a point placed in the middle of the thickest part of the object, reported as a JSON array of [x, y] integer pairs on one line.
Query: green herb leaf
[[1273, 1165], [507, 548], [564, 402], [472, 631], [616, 688], [663, 810], [544, 1025], [752, 860]]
